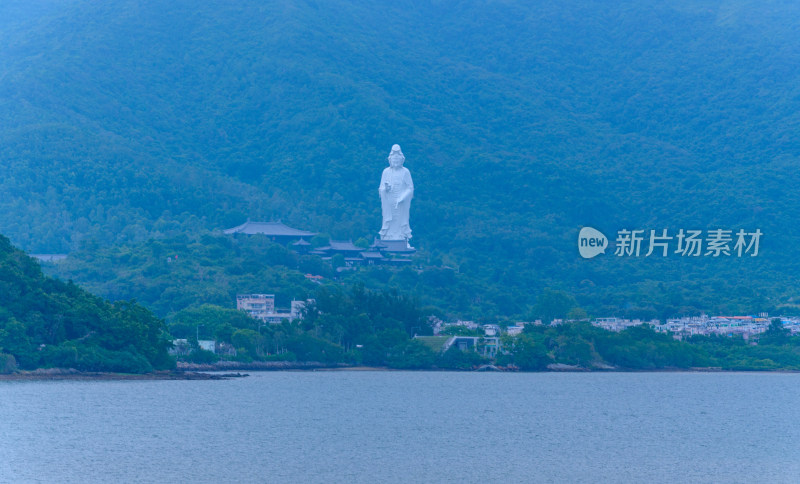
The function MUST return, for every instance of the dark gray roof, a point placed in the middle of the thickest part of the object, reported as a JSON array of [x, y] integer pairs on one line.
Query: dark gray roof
[[372, 255], [345, 245], [392, 246], [341, 246], [270, 229]]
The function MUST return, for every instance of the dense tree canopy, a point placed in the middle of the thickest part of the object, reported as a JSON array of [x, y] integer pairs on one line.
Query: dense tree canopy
[[46, 322]]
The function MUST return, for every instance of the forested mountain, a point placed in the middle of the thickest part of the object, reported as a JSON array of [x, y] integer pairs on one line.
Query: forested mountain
[[520, 121]]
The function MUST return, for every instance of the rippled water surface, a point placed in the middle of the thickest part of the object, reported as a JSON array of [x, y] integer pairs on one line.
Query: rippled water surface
[[406, 427]]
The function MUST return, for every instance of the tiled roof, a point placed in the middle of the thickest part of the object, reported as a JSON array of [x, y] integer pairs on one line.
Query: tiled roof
[[345, 245], [372, 255], [392, 246], [270, 229], [341, 246]]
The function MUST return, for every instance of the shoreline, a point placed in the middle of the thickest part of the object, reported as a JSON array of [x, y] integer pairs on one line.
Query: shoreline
[[53, 374], [212, 372]]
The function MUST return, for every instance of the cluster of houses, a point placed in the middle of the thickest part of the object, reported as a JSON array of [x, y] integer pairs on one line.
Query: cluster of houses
[[388, 252], [744, 326], [485, 339], [489, 330], [680, 328]]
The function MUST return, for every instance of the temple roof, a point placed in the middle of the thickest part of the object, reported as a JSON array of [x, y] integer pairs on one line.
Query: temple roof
[[341, 246], [270, 229], [301, 242], [392, 246], [372, 255]]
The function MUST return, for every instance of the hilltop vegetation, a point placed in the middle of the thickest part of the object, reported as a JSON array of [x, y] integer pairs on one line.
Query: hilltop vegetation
[[174, 273], [521, 122], [45, 322], [171, 274]]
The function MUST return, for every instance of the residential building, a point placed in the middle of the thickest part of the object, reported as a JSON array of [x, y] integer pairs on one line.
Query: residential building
[[256, 305], [262, 306], [483, 346]]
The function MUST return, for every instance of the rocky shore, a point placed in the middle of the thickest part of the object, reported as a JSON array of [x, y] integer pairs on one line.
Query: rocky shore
[[260, 366], [72, 374]]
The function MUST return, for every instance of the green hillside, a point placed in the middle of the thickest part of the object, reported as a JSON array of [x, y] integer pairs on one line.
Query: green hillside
[[520, 121], [46, 322]]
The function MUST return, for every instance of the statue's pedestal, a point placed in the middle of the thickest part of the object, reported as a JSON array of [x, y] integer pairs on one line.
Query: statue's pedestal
[[393, 246]]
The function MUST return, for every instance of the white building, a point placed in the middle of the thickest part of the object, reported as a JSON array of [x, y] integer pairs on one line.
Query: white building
[[256, 305], [262, 306], [208, 345]]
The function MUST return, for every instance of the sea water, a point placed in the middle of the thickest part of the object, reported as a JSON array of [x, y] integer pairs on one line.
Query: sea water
[[384, 426]]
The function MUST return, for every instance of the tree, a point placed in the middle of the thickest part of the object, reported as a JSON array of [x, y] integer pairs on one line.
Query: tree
[[577, 314], [337, 261], [212, 321], [412, 355], [552, 304], [249, 340], [455, 359], [8, 364], [528, 353], [776, 334], [320, 240], [574, 350]]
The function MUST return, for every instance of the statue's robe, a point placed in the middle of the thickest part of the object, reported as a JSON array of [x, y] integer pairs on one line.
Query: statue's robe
[[395, 220]]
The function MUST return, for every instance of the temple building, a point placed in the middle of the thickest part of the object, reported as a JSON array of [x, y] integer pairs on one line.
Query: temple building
[[390, 252], [344, 247], [301, 246], [276, 231]]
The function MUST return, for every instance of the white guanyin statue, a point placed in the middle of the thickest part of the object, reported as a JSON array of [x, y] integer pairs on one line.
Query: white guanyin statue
[[396, 191]]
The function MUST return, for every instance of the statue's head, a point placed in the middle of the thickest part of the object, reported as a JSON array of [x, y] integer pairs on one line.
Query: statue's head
[[396, 158]]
